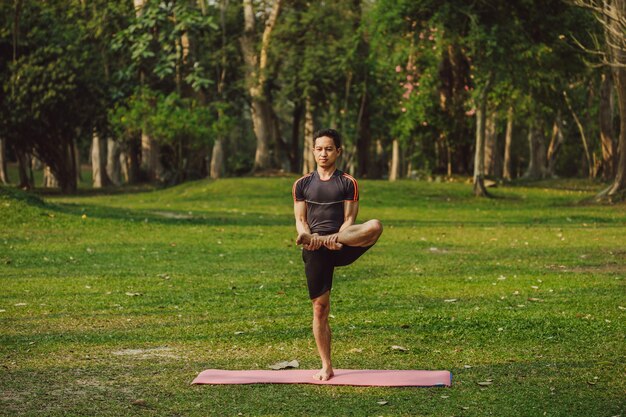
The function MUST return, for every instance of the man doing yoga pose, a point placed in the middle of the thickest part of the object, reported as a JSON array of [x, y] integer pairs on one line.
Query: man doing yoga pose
[[326, 203]]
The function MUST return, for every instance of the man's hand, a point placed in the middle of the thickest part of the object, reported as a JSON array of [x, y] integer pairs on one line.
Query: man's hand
[[315, 243], [331, 242]]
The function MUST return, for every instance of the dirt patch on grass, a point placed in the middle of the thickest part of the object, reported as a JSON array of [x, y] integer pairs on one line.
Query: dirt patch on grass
[[172, 215], [158, 352]]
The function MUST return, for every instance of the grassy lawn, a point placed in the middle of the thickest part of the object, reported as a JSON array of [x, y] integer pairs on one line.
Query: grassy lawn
[[112, 304]]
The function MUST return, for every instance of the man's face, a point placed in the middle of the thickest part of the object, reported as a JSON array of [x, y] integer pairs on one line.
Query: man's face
[[325, 151]]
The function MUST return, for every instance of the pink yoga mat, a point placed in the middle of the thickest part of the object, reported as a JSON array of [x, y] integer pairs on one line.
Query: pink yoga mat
[[364, 377]]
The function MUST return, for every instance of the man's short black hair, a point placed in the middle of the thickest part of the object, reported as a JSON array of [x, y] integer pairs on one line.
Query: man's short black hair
[[331, 133]]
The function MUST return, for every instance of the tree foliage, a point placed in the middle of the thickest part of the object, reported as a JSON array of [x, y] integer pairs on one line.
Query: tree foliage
[[413, 71]]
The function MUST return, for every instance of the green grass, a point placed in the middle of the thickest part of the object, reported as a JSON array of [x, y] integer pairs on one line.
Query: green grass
[[538, 278]]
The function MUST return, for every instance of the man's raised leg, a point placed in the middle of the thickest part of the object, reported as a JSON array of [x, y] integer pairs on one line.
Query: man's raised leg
[[321, 331], [359, 235]]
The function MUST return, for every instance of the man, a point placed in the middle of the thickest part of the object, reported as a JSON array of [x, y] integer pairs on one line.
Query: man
[[326, 203]]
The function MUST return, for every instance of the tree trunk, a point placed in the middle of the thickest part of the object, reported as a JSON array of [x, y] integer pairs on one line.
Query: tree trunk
[[614, 37], [537, 165], [377, 168], [280, 156], [308, 160], [364, 139], [492, 157], [394, 171], [150, 150], [448, 158], [555, 144], [256, 78], [406, 163], [98, 161], [4, 176], [617, 190], [606, 127], [49, 179], [583, 137], [294, 151], [479, 155], [74, 168], [113, 167], [506, 174], [217, 159], [79, 173], [216, 168], [129, 161], [23, 161], [151, 158]]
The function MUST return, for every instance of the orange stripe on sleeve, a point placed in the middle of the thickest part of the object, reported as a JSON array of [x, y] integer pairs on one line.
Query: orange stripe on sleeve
[[356, 186], [295, 184]]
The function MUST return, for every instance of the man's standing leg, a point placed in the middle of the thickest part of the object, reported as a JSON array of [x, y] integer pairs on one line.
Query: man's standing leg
[[322, 333], [318, 266]]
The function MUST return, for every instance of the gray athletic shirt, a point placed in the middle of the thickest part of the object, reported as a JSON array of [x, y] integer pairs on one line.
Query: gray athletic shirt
[[324, 199]]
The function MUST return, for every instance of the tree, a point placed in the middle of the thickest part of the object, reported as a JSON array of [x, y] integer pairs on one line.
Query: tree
[[256, 79], [158, 41], [4, 176], [52, 93], [612, 53]]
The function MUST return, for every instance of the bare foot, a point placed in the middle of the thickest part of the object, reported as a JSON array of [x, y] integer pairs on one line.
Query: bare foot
[[337, 246], [324, 374], [303, 239], [331, 242]]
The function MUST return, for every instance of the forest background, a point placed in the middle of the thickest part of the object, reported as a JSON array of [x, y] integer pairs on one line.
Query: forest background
[[169, 91]]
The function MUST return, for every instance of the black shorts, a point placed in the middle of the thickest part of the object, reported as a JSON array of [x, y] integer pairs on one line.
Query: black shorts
[[320, 264]]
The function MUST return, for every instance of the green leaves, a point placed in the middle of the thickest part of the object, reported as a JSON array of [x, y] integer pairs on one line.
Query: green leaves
[[155, 41], [168, 118]]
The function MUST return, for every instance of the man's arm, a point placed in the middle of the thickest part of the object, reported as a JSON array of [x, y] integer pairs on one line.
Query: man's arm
[[350, 211], [299, 210], [302, 226]]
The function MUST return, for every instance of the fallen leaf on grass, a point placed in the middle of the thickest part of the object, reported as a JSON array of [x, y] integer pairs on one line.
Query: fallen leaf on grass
[[285, 365], [485, 383], [594, 381], [355, 350], [400, 348], [450, 300], [133, 294], [535, 299], [382, 402], [140, 402]]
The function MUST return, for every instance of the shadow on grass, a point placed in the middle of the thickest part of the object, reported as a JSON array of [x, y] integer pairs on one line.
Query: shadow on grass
[[93, 192], [174, 218]]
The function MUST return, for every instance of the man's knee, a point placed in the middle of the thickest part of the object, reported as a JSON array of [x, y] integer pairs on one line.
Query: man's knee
[[375, 228], [321, 309]]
